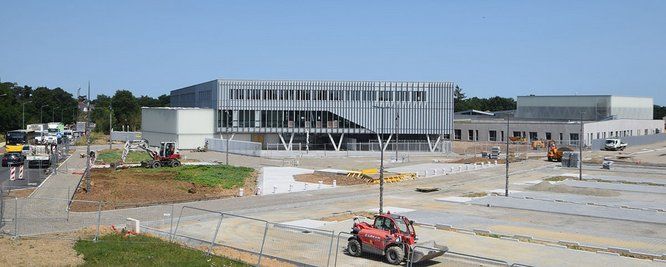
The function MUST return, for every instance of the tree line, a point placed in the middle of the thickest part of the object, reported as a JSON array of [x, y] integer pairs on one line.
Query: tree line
[[43, 105], [496, 103]]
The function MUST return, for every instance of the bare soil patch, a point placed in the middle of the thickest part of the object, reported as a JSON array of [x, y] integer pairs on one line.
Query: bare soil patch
[[134, 188], [560, 188], [20, 193], [328, 177]]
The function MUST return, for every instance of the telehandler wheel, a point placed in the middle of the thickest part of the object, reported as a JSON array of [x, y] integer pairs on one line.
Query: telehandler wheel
[[175, 163], [156, 164], [354, 248], [395, 255]]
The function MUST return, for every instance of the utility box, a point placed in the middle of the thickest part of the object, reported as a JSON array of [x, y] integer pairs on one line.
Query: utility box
[[570, 159]]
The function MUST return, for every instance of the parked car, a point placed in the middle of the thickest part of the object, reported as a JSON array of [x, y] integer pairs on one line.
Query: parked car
[[12, 159]]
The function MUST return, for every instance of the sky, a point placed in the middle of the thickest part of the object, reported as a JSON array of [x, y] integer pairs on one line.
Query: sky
[[488, 48]]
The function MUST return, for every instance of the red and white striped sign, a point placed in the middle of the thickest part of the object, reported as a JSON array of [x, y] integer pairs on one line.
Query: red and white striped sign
[[20, 173], [12, 173]]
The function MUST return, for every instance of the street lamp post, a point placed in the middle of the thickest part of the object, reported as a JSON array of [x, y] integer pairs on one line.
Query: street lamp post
[[506, 161], [23, 113], [580, 149], [397, 126], [53, 113], [41, 113], [381, 165], [110, 124]]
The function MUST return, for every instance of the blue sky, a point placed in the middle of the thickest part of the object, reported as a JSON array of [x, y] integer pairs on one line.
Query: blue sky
[[489, 48]]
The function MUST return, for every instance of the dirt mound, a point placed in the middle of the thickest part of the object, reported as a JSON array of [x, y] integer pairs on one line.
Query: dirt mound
[[561, 188]]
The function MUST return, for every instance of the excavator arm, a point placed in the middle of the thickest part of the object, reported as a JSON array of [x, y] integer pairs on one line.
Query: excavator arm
[[137, 145]]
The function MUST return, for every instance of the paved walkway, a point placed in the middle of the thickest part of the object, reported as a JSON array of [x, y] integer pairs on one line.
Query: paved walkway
[[63, 183]]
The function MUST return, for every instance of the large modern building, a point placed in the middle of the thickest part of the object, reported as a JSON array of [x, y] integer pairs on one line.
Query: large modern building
[[325, 114], [559, 118]]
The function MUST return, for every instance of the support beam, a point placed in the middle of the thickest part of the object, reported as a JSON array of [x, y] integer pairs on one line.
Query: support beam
[[284, 144], [336, 146], [430, 145], [291, 139], [387, 142]]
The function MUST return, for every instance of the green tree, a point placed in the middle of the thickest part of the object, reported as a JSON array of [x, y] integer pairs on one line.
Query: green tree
[[126, 109]]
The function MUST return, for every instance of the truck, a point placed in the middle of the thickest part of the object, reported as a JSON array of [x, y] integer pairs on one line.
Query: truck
[[38, 156], [55, 132], [614, 145]]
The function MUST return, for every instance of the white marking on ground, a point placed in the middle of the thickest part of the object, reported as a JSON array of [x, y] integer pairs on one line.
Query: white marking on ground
[[392, 210], [308, 223], [455, 199], [278, 180]]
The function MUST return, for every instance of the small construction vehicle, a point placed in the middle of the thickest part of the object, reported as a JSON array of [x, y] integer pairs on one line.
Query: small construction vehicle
[[392, 236], [555, 153], [166, 156], [614, 145]]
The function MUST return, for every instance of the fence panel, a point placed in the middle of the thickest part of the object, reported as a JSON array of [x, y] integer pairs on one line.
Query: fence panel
[[306, 246], [235, 147], [125, 136]]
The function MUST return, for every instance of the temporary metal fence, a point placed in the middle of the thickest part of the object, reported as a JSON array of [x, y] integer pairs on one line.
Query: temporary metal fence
[[235, 147], [125, 136]]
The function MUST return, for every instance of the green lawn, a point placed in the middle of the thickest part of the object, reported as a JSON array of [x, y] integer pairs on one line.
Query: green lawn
[[113, 155], [216, 175], [117, 250], [224, 176]]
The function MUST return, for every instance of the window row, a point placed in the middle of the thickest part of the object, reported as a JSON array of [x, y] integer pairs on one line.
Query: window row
[[333, 95], [282, 119]]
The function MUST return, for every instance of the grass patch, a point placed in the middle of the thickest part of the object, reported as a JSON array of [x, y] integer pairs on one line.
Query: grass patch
[[225, 176], [556, 179], [117, 250], [95, 139], [113, 155], [475, 194]]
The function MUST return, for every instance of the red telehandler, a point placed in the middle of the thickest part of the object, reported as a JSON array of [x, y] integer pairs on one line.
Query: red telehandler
[[392, 236]]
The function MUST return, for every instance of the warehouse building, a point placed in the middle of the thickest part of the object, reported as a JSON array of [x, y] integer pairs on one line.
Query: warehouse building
[[324, 114], [559, 118]]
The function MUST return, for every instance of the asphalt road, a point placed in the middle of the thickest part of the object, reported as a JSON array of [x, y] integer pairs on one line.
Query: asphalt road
[[32, 177]]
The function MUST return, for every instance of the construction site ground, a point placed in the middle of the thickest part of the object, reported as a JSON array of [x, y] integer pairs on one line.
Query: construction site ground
[[329, 177], [135, 187], [561, 223]]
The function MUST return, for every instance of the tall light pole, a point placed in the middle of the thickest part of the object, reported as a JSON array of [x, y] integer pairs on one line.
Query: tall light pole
[[580, 149], [53, 113], [397, 126], [87, 131], [110, 124], [41, 113], [381, 162], [506, 161], [23, 113]]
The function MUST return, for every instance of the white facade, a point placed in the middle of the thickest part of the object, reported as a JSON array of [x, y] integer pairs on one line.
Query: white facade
[[188, 127], [591, 107]]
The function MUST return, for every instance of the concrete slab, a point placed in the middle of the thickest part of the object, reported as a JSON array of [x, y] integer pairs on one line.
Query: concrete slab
[[307, 223], [617, 186], [454, 199], [601, 201], [572, 209], [626, 178], [279, 180], [396, 210]]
